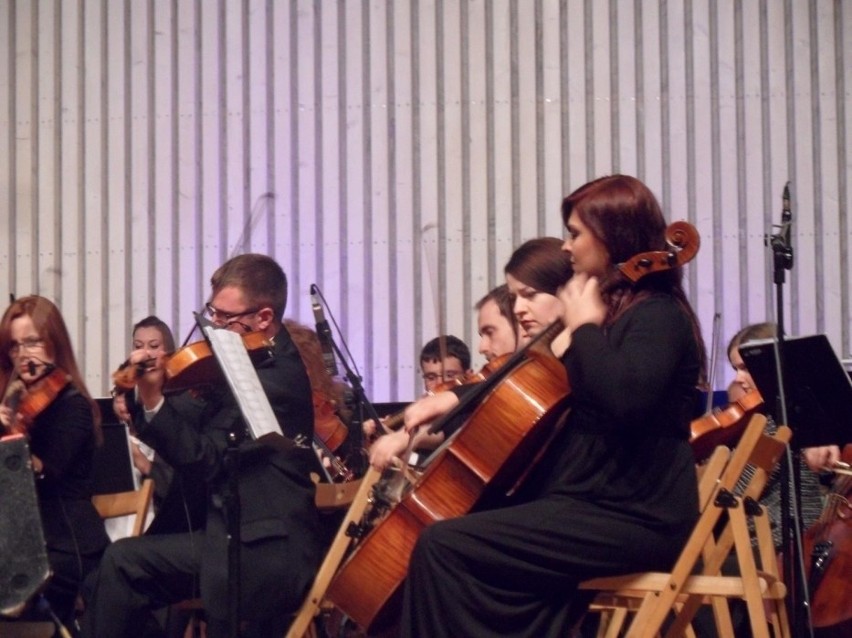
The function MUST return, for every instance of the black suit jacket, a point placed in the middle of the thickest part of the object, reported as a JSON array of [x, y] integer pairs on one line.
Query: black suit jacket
[[280, 544]]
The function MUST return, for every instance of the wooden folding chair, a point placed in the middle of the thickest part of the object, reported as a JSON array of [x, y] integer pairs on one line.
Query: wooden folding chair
[[136, 502], [360, 492], [9, 629], [614, 610], [656, 595]]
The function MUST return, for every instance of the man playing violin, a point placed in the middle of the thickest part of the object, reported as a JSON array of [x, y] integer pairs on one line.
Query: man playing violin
[[62, 424], [280, 543], [444, 361]]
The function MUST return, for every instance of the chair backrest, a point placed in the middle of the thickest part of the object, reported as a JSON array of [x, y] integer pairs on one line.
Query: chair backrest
[[355, 496], [135, 502]]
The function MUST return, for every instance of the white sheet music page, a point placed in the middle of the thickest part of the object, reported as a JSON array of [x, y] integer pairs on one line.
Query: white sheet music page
[[245, 384]]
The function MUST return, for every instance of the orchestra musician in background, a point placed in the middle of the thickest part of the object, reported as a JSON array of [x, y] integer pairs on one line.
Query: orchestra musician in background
[[38, 364], [444, 361], [809, 488], [153, 339], [615, 491], [499, 331], [280, 545]]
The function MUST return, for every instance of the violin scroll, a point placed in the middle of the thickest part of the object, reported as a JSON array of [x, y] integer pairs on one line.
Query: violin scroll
[[683, 240], [127, 374]]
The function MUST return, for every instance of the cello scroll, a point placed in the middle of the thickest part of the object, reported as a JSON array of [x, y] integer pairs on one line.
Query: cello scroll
[[683, 240]]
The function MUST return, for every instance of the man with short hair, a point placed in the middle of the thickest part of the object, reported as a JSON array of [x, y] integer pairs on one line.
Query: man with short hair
[[280, 547], [499, 333], [444, 359]]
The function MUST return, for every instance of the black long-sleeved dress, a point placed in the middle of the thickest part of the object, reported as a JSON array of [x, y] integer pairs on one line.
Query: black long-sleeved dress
[[615, 492], [63, 437]]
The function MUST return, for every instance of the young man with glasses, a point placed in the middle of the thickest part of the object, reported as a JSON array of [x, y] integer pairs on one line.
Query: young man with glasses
[[280, 545]]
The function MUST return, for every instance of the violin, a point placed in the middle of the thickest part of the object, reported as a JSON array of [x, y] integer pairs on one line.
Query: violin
[[195, 366], [683, 241], [28, 402], [127, 374], [722, 426], [329, 434]]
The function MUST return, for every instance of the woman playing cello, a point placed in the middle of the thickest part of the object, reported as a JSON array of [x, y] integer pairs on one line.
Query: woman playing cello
[[615, 492], [35, 350], [533, 273]]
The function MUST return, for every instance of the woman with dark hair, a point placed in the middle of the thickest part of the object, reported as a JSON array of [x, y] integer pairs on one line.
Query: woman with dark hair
[[534, 274], [34, 345], [152, 337], [615, 491]]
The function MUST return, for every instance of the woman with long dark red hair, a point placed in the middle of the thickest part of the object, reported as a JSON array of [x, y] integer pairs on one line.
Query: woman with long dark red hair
[[35, 349], [615, 492]]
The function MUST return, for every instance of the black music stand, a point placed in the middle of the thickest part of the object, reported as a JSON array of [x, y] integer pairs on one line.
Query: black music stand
[[818, 391]]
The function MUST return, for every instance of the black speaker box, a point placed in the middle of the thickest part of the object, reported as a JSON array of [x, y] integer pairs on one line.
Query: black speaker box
[[23, 556]]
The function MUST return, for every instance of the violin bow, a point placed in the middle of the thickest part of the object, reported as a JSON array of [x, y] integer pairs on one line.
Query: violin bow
[[241, 244]]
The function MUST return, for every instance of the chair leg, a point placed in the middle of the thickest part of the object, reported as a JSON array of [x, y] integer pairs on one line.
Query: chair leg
[[303, 621]]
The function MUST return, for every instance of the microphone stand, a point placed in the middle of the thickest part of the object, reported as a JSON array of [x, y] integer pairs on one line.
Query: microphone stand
[[363, 406], [798, 599]]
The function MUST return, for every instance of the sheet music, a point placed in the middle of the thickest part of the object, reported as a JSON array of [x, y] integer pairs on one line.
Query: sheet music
[[245, 384]]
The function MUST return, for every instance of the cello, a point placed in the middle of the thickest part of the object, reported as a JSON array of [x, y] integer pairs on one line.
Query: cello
[[520, 408], [519, 414], [828, 558]]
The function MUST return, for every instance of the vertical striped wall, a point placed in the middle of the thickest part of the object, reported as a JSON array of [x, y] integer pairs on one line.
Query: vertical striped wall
[[395, 151]]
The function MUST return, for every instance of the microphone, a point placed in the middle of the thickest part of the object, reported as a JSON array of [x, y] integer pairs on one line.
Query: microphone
[[323, 333], [786, 217], [781, 242], [32, 367]]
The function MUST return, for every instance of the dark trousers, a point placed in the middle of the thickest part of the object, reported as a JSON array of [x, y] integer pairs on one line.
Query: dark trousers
[[138, 575]]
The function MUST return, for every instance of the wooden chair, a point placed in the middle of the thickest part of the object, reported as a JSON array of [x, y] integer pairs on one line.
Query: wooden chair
[[614, 610], [334, 494], [27, 629], [125, 503], [696, 578]]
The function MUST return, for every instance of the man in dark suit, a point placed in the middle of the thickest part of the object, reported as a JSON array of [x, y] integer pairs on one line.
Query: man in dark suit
[[280, 545]]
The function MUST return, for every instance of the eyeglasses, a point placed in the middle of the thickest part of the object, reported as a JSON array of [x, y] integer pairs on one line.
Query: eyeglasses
[[29, 343], [227, 318], [449, 375]]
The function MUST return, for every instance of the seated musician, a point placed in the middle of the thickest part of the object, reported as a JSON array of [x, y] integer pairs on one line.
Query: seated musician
[[331, 413], [533, 273], [811, 503], [35, 346], [152, 336], [615, 491], [443, 361], [280, 548], [810, 493], [499, 332]]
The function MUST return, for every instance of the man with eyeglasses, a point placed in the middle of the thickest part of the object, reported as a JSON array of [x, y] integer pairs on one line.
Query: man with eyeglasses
[[280, 543], [444, 359]]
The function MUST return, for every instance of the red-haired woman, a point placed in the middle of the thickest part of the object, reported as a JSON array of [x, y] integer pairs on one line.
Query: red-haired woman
[[34, 344], [615, 492]]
